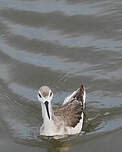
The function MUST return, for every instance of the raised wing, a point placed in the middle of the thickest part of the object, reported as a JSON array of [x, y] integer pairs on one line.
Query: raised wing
[[71, 111], [67, 99], [79, 94]]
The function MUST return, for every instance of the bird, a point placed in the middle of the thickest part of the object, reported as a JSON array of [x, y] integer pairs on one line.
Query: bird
[[66, 119]]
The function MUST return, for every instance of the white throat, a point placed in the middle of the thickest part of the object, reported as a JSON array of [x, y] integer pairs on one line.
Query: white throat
[[45, 116], [48, 124]]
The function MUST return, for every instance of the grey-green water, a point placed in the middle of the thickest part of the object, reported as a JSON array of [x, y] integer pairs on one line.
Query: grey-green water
[[60, 43]]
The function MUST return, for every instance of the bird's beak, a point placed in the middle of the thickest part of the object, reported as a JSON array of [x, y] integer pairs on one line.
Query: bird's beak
[[47, 108]]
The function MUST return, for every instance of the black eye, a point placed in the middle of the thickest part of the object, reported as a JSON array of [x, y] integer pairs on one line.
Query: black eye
[[51, 94], [40, 95]]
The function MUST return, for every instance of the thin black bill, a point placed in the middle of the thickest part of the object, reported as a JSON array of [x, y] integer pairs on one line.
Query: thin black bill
[[47, 108]]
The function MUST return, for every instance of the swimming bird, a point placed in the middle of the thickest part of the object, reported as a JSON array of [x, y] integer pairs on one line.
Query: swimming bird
[[66, 119]]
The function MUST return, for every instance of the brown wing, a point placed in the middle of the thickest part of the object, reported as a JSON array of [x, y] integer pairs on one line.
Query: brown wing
[[72, 110], [79, 94]]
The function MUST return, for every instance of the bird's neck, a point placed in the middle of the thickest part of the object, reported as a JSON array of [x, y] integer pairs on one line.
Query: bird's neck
[[46, 119]]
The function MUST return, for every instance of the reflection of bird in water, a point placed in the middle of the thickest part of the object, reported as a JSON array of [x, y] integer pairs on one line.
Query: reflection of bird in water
[[66, 119], [61, 147]]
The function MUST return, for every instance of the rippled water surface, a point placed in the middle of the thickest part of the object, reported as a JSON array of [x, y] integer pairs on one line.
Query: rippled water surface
[[60, 43]]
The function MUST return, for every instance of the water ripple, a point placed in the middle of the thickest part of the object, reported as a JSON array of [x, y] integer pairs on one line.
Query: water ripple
[[53, 5]]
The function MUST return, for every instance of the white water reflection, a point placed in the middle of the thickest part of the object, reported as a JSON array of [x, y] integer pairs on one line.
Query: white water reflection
[[23, 91], [52, 62], [67, 40], [53, 5]]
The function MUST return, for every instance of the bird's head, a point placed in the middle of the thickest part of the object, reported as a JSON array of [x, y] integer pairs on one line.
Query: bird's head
[[45, 96]]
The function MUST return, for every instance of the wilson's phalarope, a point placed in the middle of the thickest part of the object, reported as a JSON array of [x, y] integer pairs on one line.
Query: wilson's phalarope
[[66, 119]]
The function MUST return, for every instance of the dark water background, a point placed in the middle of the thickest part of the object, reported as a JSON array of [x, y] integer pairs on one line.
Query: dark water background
[[60, 43]]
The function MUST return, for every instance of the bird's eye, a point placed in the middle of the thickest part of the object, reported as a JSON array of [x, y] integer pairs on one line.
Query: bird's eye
[[51, 94], [40, 95]]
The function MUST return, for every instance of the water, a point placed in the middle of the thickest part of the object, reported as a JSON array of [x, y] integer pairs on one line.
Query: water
[[60, 43]]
